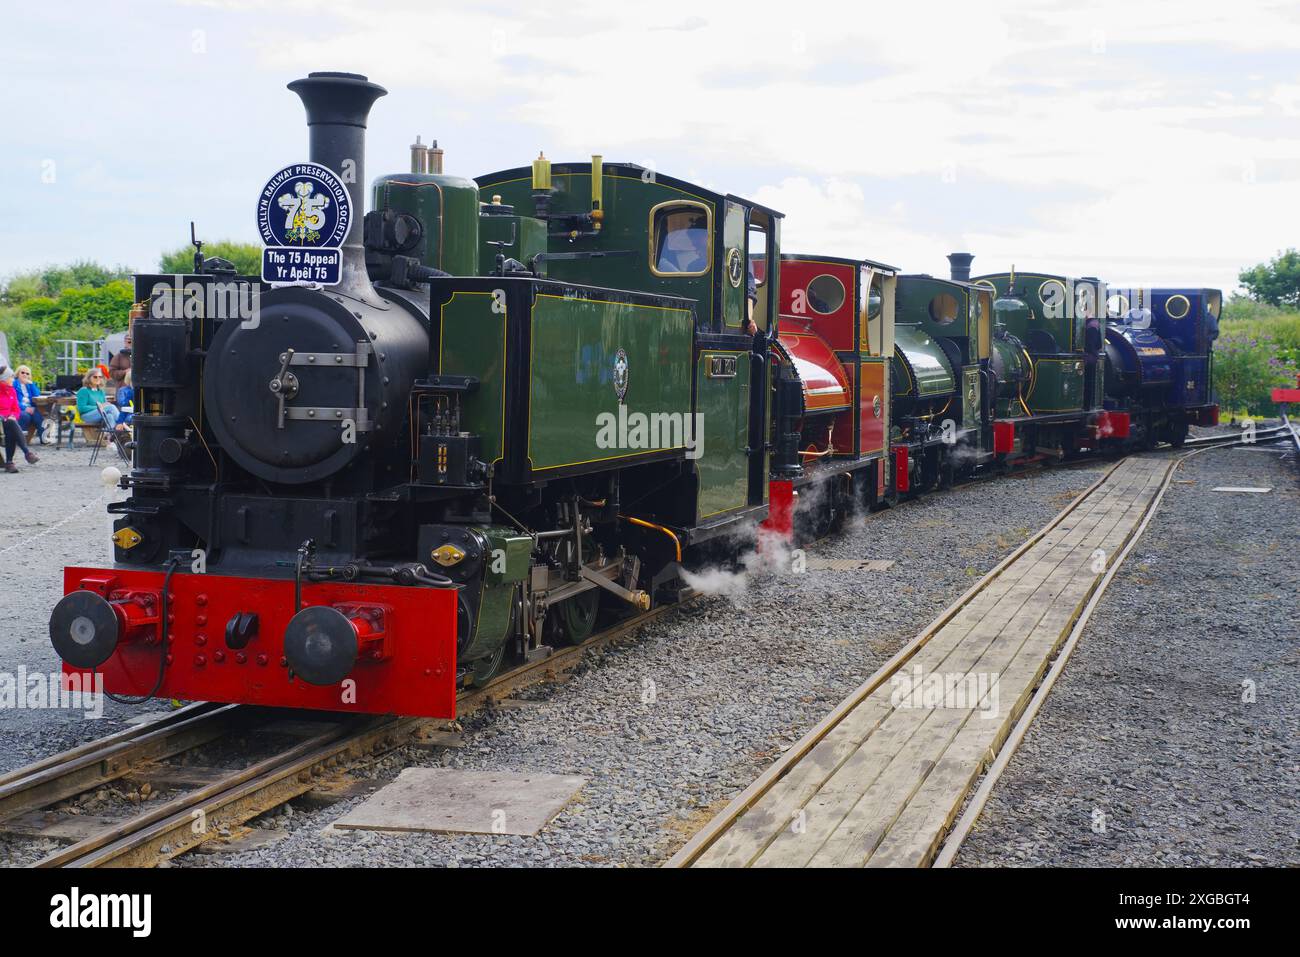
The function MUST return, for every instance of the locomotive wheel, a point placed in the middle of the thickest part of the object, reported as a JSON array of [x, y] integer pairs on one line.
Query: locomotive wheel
[[826, 515], [1176, 434], [841, 501], [572, 620], [485, 669], [818, 525], [575, 618], [488, 667], [889, 499], [947, 474]]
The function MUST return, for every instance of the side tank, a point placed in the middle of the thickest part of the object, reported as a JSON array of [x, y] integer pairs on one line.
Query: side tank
[[923, 377], [1056, 318], [1138, 362]]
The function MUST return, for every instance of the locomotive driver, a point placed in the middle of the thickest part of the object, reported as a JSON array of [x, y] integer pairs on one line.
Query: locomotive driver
[[751, 297]]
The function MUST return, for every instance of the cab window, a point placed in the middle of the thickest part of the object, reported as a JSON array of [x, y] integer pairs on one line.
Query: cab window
[[757, 243], [679, 239], [871, 311], [758, 253]]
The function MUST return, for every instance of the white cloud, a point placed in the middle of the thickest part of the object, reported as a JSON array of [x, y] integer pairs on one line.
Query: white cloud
[[1128, 133]]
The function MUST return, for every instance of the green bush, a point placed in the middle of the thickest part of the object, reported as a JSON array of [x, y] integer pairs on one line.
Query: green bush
[[1243, 307], [34, 328], [50, 282], [1252, 357]]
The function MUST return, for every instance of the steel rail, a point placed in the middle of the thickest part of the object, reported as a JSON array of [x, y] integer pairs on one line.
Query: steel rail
[[700, 842], [100, 744], [100, 762], [952, 843], [704, 838], [244, 794], [182, 823], [1259, 436]]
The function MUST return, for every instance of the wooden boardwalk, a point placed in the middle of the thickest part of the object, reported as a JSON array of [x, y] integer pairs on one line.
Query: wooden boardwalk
[[879, 783]]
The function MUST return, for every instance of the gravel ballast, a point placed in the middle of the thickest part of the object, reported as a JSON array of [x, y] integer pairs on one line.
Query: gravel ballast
[[668, 724], [671, 723], [1171, 737], [52, 514]]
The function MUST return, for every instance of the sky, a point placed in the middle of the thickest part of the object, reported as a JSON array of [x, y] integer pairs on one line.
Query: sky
[[1145, 143]]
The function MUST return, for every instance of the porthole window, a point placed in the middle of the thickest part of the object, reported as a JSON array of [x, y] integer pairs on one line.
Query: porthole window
[[679, 239], [1177, 306], [943, 308], [987, 283], [1117, 305], [826, 294]]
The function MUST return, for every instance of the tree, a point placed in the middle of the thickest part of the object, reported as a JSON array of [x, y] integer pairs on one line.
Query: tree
[[247, 257], [51, 281], [1277, 281]]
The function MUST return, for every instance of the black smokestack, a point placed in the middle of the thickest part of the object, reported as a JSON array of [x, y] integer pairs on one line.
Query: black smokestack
[[960, 264], [338, 105]]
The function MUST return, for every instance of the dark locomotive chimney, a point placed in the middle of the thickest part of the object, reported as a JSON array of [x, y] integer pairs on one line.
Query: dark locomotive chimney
[[960, 264], [338, 105]]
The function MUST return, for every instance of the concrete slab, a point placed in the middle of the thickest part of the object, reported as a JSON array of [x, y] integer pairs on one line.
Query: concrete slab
[[446, 800], [1242, 488]]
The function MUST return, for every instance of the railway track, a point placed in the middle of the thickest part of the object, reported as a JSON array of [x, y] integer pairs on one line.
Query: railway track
[[212, 802], [1258, 437], [874, 784]]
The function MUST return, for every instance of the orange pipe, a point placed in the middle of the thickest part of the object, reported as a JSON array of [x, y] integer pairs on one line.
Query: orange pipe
[[677, 544]]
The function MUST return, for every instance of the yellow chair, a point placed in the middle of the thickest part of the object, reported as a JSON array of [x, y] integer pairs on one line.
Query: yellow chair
[[72, 422]]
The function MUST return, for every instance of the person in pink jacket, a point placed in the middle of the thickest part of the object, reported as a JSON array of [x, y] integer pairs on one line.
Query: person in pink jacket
[[10, 412]]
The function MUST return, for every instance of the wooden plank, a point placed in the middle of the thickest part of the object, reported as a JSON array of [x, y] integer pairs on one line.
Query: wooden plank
[[167, 777], [57, 826], [868, 821], [716, 829], [857, 836], [879, 755], [915, 837], [771, 818]]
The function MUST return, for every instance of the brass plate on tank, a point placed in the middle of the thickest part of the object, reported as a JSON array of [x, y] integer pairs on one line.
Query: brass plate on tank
[[447, 555], [127, 538]]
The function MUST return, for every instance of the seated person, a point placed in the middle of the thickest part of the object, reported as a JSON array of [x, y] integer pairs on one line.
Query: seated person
[[684, 245], [126, 399], [93, 406], [9, 414], [28, 390], [120, 364]]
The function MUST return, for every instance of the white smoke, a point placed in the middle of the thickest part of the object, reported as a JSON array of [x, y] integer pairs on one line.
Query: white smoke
[[763, 554]]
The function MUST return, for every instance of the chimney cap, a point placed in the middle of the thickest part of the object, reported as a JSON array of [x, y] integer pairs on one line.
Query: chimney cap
[[337, 98], [338, 74]]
